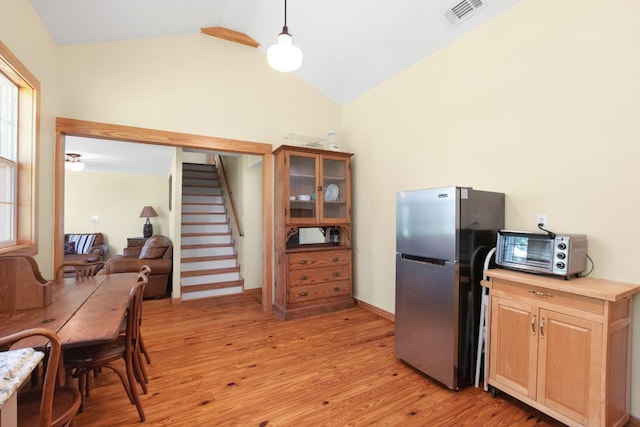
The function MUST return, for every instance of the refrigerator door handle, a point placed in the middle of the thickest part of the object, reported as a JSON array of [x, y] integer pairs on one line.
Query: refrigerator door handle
[[428, 260]]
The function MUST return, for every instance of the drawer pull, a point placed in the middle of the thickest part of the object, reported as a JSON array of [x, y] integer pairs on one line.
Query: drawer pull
[[336, 273], [337, 289], [303, 261], [540, 294], [304, 293], [304, 277], [542, 328], [533, 325], [336, 259]]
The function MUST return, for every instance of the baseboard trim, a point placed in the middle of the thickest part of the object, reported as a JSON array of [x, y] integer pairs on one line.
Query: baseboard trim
[[378, 311], [633, 422]]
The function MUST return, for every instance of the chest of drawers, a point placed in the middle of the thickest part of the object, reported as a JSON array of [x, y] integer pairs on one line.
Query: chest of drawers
[[317, 282]]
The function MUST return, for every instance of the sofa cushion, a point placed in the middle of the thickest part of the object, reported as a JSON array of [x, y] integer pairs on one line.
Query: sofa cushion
[[155, 247], [69, 248], [83, 242]]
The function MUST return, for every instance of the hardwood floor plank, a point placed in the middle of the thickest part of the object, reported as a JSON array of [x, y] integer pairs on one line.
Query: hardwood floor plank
[[223, 362]]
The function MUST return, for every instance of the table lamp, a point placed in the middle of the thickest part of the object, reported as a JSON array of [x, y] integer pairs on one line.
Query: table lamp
[[147, 212]]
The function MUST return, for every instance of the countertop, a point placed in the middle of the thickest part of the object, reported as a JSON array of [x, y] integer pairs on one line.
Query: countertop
[[15, 367]]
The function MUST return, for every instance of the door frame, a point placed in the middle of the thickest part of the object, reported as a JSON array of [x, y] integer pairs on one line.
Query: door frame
[[89, 129]]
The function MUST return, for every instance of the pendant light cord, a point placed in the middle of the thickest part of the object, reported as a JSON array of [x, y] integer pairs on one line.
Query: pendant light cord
[[285, 13]]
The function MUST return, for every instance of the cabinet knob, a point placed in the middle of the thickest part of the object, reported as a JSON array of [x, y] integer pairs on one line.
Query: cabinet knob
[[304, 277], [336, 289], [336, 273], [303, 261], [336, 259], [304, 293]]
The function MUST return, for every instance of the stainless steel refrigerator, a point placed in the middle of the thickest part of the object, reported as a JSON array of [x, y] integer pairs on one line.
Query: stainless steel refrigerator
[[442, 238]]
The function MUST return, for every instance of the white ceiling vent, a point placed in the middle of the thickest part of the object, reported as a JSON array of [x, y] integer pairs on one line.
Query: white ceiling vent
[[463, 11]]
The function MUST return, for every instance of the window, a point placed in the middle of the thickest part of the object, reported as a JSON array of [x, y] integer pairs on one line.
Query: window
[[19, 112]]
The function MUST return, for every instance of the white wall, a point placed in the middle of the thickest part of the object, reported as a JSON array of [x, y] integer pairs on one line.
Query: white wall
[[117, 200], [543, 104]]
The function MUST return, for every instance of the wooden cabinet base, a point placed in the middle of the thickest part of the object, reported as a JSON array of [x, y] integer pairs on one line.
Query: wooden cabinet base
[[313, 310], [562, 346]]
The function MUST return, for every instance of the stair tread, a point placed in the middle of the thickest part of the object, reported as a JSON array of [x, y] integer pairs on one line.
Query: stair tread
[[210, 272], [207, 245], [208, 258], [211, 286]]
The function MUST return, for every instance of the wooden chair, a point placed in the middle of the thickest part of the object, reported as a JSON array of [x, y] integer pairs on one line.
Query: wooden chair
[[48, 405], [78, 361], [81, 269]]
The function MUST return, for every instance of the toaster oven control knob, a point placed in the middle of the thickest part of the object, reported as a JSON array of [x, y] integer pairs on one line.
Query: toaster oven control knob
[[560, 265], [561, 255], [562, 246]]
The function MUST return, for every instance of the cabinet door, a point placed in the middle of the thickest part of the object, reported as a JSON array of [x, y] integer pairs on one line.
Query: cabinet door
[[568, 365], [303, 185], [335, 189], [514, 335]]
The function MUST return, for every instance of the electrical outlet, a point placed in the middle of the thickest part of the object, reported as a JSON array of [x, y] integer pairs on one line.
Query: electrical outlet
[[541, 219], [95, 219]]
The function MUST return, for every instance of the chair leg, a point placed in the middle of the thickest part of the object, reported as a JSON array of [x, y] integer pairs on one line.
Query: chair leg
[[143, 350], [132, 387]]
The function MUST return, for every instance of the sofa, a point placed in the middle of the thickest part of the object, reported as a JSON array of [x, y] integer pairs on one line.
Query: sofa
[[84, 247], [157, 253]]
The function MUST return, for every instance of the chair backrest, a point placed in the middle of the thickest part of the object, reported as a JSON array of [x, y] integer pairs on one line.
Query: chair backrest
[[51, 368], [21, 284], [81, 269], [134, 315]]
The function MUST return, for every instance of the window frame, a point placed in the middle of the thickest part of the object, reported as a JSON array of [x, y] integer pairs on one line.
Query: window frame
[[26, 216]]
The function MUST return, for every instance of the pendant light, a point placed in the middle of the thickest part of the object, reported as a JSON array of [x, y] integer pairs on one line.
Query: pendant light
[[284, 56]]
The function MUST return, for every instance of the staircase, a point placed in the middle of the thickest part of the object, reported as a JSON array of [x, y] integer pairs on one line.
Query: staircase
[[209, 263]]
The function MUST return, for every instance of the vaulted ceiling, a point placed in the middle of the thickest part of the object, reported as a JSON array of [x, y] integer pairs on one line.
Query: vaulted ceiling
[[349, 46]]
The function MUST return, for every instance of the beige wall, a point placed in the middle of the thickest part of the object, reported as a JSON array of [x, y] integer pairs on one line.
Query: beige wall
[[542, 103], [117, 200], [245, 179]]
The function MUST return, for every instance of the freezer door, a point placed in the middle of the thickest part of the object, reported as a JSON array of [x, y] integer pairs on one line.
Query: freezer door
[[427, 223], [426, 318]]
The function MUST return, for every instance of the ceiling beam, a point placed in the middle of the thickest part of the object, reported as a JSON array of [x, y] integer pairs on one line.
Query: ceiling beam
[[231, 35]]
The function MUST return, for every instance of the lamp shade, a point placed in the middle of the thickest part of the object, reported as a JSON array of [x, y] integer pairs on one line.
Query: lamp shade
[[147, 212], [284, 56]]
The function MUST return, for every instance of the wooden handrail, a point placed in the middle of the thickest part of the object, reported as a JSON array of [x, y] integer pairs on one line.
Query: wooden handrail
[[233, 206]]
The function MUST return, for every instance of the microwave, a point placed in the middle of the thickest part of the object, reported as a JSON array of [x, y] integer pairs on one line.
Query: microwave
[[544, 253]]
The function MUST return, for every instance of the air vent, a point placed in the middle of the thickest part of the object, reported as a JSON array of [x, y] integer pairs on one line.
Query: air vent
[[463, 11]]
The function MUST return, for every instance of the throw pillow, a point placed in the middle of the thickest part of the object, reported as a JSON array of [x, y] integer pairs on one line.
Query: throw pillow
[[155, 247], [83, 242], [70, 248]]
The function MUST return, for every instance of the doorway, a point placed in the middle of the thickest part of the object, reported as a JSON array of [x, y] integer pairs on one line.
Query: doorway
[[65, 126]]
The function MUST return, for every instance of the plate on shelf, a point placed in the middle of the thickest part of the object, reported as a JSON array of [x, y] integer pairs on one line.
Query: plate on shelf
[[332, 193]]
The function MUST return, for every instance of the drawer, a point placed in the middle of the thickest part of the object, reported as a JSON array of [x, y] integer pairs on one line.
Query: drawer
[[540, 294], [317, 259], [319, 275], [319, 291]]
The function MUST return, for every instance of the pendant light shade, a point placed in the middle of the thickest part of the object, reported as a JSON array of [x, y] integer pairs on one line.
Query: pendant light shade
[[284, 56]]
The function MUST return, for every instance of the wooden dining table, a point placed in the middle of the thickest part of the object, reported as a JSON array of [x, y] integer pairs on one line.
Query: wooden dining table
[[83, 311]]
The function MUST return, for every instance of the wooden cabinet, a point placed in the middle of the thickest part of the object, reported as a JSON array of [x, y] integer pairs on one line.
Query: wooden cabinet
[[560, 346], [312, 193]]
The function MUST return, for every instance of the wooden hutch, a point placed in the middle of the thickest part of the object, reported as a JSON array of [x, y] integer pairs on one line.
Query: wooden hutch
[[312, 231]]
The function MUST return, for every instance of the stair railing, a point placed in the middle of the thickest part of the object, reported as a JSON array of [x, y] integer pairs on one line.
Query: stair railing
[[233, 206]]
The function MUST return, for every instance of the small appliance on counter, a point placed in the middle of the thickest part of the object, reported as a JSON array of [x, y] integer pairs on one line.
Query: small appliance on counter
[[544, 253]]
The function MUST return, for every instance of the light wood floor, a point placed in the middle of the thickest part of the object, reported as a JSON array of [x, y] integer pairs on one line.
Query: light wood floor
[[225, 363]]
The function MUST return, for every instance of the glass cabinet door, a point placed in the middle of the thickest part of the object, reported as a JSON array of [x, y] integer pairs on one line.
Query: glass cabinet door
[[334, 187], [302, 187]]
